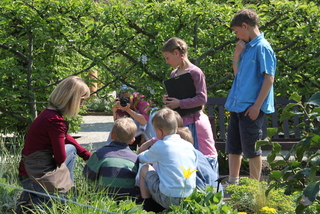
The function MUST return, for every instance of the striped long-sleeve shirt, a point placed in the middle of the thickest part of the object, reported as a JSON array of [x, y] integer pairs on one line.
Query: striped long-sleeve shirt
[[113, 167]]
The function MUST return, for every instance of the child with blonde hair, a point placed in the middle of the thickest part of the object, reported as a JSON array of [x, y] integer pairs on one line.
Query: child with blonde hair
[[168, 185]]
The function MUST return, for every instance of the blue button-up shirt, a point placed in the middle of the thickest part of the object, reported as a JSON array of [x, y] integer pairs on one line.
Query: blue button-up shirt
[[256, 59]]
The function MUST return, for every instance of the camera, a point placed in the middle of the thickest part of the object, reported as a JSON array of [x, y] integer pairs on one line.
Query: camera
[[124, 101]]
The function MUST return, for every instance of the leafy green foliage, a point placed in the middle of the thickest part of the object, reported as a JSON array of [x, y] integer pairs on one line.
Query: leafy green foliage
[[203, 202], [249, 196], [300, 174], [42, 42]]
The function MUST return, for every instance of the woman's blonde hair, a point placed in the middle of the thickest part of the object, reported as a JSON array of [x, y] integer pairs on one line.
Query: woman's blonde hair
[[68, 95], [124, 130]]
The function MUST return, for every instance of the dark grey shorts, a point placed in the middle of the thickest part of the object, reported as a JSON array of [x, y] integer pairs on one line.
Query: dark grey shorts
[[152, 183], [243, 134]]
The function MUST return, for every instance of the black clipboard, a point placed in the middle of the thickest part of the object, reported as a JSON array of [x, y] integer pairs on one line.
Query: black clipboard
[[182, 87]]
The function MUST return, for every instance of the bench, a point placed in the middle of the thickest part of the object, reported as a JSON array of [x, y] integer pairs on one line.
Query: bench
[[287, 135]]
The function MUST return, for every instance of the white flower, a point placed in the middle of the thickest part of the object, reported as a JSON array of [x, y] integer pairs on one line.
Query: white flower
[[60, 48], [143, 58], [150, 90]]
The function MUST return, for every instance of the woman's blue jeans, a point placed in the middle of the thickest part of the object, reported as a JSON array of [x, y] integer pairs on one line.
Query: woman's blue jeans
[[71, 159]]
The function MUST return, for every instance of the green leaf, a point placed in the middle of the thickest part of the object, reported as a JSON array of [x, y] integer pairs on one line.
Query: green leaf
[[289, 106], [275, 175], [312, 190], [313, 172], [314, 99], [295, 164], [271, 132], [299, 209], [278, 163], [271, 157], [133, 210], [286, 115], [276, 148], [300, 152], [288, 190], [295, 96], [260, 143]]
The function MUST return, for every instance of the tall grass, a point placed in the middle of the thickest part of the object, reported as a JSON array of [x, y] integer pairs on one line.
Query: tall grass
[[87, 200], [10, 153]]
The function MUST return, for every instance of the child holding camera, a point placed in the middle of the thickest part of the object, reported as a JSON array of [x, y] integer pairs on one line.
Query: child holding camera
[[132, 104]]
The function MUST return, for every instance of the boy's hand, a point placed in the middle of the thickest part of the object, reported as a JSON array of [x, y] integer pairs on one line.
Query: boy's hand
[[239, 48], [252, 112]]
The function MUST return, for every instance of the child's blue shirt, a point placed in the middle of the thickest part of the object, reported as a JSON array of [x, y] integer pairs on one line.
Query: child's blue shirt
[[256, 59], [171, 154]]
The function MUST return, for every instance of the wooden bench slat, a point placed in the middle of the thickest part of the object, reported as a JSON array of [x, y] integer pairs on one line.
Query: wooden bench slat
[[289, 135]]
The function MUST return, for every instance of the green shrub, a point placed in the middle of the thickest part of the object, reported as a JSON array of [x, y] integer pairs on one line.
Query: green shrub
[[297, 176], [249, 196], [98, 104], [204, 202]]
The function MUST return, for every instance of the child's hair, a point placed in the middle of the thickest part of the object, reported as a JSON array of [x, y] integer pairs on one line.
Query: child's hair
[[124, 130], [245, 16], [185, 134], [68, 95], [175, 43], [179, 119], [165, 120]]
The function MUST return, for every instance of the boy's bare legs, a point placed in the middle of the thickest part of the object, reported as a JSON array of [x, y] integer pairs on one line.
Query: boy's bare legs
[[234, 168], [149, 204], [255, 166], [143, 171]]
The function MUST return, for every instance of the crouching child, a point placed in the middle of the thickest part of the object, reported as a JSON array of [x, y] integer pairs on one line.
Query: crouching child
[[176, 161], [115, 166]]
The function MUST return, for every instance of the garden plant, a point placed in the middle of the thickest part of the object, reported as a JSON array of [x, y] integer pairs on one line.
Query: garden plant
[[299, 173]]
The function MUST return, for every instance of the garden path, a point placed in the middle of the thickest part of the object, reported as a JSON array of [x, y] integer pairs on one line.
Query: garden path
[[95, 131]]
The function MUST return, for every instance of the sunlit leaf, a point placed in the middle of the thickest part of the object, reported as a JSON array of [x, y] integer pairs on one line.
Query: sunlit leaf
[[296, 97], [315, 99]]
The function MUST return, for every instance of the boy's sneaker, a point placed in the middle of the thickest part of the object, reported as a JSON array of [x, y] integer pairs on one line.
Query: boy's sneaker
[[226, 194]]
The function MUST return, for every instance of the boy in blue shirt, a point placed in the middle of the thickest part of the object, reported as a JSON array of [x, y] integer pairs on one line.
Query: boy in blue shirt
[[251, 95], [176, 161]]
